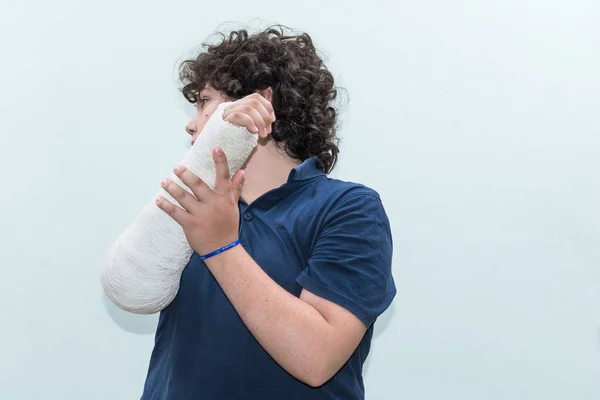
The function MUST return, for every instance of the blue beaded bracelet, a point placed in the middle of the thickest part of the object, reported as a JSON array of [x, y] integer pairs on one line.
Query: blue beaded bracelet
[[219, 251]]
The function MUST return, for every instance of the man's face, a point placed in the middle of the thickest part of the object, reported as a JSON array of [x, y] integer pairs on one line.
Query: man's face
[[208, 101]]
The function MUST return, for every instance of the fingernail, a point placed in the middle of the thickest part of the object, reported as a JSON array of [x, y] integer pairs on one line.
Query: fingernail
[[218, 150], [164, 183], [158, 200]]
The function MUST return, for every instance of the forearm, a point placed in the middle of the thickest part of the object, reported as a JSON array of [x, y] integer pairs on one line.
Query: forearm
[[292, 331], [142, 270]]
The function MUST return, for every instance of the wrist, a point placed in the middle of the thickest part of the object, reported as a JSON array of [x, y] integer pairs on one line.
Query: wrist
[[231, 256], [219, 250]]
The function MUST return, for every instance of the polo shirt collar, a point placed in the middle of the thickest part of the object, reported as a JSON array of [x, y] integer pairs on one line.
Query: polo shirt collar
[[307, 170]]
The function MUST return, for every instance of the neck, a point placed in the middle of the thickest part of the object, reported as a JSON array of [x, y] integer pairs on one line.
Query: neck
[[266, 169]]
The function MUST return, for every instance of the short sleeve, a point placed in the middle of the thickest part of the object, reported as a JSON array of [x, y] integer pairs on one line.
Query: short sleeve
[[351, 261]]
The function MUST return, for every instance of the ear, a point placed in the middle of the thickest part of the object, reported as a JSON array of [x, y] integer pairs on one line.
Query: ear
[[267, 94]]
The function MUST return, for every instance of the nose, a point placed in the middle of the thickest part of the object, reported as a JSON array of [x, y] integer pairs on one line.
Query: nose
[[191, 128]]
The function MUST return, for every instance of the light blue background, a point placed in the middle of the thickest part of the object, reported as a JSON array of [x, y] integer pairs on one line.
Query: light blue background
[[477, 121]]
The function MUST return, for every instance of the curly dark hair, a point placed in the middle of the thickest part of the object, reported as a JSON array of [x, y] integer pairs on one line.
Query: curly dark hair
[[303, 87]]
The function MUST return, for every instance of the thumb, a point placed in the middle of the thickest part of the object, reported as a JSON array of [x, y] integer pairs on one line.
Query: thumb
[[237, 182]]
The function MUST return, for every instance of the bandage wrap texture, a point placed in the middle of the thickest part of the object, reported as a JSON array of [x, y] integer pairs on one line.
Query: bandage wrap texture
[[142, 270]]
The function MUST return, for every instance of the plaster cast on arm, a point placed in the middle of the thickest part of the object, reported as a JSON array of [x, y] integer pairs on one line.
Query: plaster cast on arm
[[143, 267]]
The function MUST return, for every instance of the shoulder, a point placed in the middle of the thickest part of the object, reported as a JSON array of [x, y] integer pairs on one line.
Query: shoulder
[[349, 207], [336, 193]]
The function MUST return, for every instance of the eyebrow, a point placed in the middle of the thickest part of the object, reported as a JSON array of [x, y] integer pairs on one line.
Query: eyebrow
[[204, 93]]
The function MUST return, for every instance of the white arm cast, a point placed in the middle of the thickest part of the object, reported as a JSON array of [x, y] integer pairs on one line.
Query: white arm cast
[[143, 268]]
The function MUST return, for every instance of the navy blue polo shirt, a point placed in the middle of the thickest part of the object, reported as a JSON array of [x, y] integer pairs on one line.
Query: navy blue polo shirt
[[327, 236]]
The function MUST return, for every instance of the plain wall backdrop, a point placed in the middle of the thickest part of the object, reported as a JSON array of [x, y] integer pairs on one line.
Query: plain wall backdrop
[[477, 121]]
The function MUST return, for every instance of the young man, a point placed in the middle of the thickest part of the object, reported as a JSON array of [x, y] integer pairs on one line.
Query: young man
[[288, 312]]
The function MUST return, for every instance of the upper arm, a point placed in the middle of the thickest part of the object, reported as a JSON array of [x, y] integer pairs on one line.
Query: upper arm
[[347, 327], [351, 261], [348, 278], [343, 337]]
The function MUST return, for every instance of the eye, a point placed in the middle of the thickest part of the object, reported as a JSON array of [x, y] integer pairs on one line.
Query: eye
[[202, 102]]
